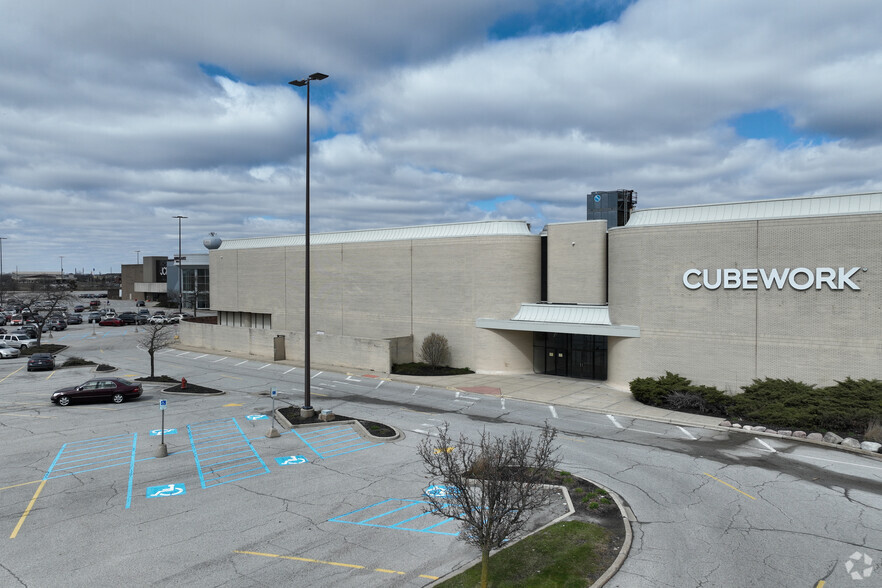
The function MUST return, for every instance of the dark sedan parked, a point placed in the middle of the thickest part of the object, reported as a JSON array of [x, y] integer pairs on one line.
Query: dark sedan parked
[[111, 322], [115, 389], [41, 361], [131, 318], [75, 319]]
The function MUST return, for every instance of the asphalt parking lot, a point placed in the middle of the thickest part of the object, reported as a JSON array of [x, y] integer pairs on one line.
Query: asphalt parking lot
[[85, 500]]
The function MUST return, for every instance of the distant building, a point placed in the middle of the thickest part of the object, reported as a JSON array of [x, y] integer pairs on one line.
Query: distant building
[[157, 279]]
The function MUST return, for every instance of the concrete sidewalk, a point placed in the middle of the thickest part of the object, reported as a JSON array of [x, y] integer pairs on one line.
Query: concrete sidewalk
[[556, 391]]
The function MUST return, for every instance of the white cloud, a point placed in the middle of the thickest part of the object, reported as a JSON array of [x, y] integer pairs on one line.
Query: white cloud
[[108, 126]]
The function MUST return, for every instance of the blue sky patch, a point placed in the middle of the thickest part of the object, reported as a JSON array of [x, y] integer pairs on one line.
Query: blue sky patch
[[212, 70], [491, 205], [557, 17], [776, 125]]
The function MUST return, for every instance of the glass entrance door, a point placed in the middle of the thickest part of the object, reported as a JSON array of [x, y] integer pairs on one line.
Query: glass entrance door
[[569, 355]]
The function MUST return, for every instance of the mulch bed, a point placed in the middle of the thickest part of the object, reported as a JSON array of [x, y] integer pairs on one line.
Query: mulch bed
[[292, 414]]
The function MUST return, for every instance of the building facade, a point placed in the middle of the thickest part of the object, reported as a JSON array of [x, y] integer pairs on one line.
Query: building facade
[[721, 294]]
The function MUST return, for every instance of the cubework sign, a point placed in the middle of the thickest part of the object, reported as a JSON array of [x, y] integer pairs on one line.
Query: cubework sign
[[799, 278]]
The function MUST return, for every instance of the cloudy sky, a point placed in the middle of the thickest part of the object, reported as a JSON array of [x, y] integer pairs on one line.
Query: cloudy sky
[[117, 116]]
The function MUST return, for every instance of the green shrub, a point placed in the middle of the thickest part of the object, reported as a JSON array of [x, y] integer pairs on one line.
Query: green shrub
[[655, 391], [850, 407]]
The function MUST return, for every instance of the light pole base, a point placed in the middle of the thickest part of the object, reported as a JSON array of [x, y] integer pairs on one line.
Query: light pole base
[[272, 433], [162, 450], [307, 412]]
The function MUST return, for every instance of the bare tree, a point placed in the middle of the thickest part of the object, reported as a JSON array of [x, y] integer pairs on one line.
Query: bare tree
[[156, 338], [44, 298], [435, 351], [491, 486]]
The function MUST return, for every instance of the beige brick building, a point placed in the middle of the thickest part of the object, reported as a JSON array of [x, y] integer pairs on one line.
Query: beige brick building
[[721, 294]]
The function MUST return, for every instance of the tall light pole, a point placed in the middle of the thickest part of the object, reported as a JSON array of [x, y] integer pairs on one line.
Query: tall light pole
[[138, 255], [307, 400], [1, 269], [61, 257], [180, 261]]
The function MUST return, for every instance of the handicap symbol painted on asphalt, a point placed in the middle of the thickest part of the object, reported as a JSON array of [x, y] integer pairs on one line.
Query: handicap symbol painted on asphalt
[[161, 431], [291, 460], [439, 491], [256, 417], [164, 491]]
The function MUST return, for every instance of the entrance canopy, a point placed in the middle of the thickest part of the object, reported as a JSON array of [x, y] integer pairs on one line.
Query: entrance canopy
[[578, 319]]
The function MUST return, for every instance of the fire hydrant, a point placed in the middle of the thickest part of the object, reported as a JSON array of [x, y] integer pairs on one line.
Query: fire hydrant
[[183, 383]]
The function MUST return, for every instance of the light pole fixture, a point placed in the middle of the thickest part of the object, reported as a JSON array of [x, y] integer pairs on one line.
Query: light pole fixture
[[138, 255], [180, 261], [61, 257], [1, 268], [307, 401]]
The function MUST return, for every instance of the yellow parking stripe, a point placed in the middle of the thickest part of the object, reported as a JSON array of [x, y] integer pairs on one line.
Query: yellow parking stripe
[[332, 563], [730, 486], [22, 484], [11, 373], [27, 510]]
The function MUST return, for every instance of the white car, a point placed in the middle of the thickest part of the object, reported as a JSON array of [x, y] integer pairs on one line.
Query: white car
[[157, 320], [7, 352], [18, 341]]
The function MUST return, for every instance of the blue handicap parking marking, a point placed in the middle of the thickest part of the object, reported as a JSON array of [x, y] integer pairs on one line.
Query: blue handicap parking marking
[[165, 431], [439, 491], [256, 417], [401, 515], [291, 460], [165, 491]]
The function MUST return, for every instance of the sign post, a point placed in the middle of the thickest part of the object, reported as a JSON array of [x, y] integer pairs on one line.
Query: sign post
[[162, 451], [273, 433]]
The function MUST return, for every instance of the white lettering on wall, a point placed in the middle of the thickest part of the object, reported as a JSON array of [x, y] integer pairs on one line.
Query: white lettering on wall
[[800, 278]]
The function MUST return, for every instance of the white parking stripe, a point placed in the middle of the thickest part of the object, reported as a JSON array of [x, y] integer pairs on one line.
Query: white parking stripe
[[766, 445], [265, 365], [241, 362], [553, 412], [687, 433], [217, 360], [200, 356], [291, 370], [614, 421]]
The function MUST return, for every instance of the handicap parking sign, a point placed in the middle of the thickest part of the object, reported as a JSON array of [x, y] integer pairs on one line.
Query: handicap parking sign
[[166, 491], [161, 431], [256, 417], [291, 460]]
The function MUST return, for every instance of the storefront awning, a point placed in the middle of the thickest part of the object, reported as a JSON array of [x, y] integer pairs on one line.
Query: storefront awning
[[578, 319]]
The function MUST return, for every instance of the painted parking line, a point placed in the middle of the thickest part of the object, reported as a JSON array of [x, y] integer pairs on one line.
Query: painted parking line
[[730, 486], [223, 453], [402, 515], [332, 563], [334, 440]]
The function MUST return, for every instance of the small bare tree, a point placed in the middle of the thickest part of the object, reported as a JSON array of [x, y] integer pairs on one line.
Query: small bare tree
[[156, 338], [45, 297], [435, 351], [491, 486]]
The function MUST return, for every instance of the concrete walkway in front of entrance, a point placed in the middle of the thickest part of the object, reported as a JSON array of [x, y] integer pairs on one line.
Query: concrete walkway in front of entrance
[[557, 391]]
